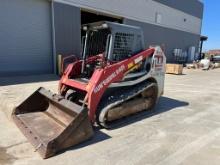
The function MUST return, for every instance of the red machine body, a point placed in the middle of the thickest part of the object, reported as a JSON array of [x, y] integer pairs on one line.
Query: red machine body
[[101, 78]]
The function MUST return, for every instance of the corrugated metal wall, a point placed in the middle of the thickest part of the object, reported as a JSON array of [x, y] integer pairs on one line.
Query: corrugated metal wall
[[192, 7], [26, 38], [67, 21], [155, 35]]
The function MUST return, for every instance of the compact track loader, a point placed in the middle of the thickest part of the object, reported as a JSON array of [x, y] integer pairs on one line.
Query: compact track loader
[[116, 77]]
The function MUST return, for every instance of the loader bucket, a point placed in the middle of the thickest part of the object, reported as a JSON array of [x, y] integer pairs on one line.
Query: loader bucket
[[52, 123]]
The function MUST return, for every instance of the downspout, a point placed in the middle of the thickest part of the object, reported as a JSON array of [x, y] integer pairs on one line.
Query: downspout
[[54, 39]]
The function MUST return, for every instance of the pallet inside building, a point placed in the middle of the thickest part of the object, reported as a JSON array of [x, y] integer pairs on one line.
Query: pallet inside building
[[174, 69]]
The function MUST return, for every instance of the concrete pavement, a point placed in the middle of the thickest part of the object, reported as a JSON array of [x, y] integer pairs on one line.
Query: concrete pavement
[[184, 130]]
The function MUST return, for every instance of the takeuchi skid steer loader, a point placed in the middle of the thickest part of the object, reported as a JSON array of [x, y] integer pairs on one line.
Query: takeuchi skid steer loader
[[116, 77]]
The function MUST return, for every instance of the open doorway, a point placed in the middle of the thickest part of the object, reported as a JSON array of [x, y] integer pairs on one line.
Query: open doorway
[[89, 17]]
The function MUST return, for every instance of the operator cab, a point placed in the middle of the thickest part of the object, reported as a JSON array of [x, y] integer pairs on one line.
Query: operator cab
[[111, 42]]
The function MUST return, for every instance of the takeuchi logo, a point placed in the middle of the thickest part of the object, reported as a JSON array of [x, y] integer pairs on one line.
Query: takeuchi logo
[[109, 79]]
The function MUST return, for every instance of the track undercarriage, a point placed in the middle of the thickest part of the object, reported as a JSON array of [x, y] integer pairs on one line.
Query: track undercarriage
[[124, 102]]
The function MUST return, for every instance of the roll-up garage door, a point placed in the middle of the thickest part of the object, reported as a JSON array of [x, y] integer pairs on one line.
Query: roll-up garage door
[[25, 37]]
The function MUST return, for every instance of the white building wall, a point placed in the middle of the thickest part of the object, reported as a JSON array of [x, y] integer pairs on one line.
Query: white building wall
[[144, 11]]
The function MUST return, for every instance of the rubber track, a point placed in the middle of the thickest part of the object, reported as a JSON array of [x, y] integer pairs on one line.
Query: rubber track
[[117, 97]]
